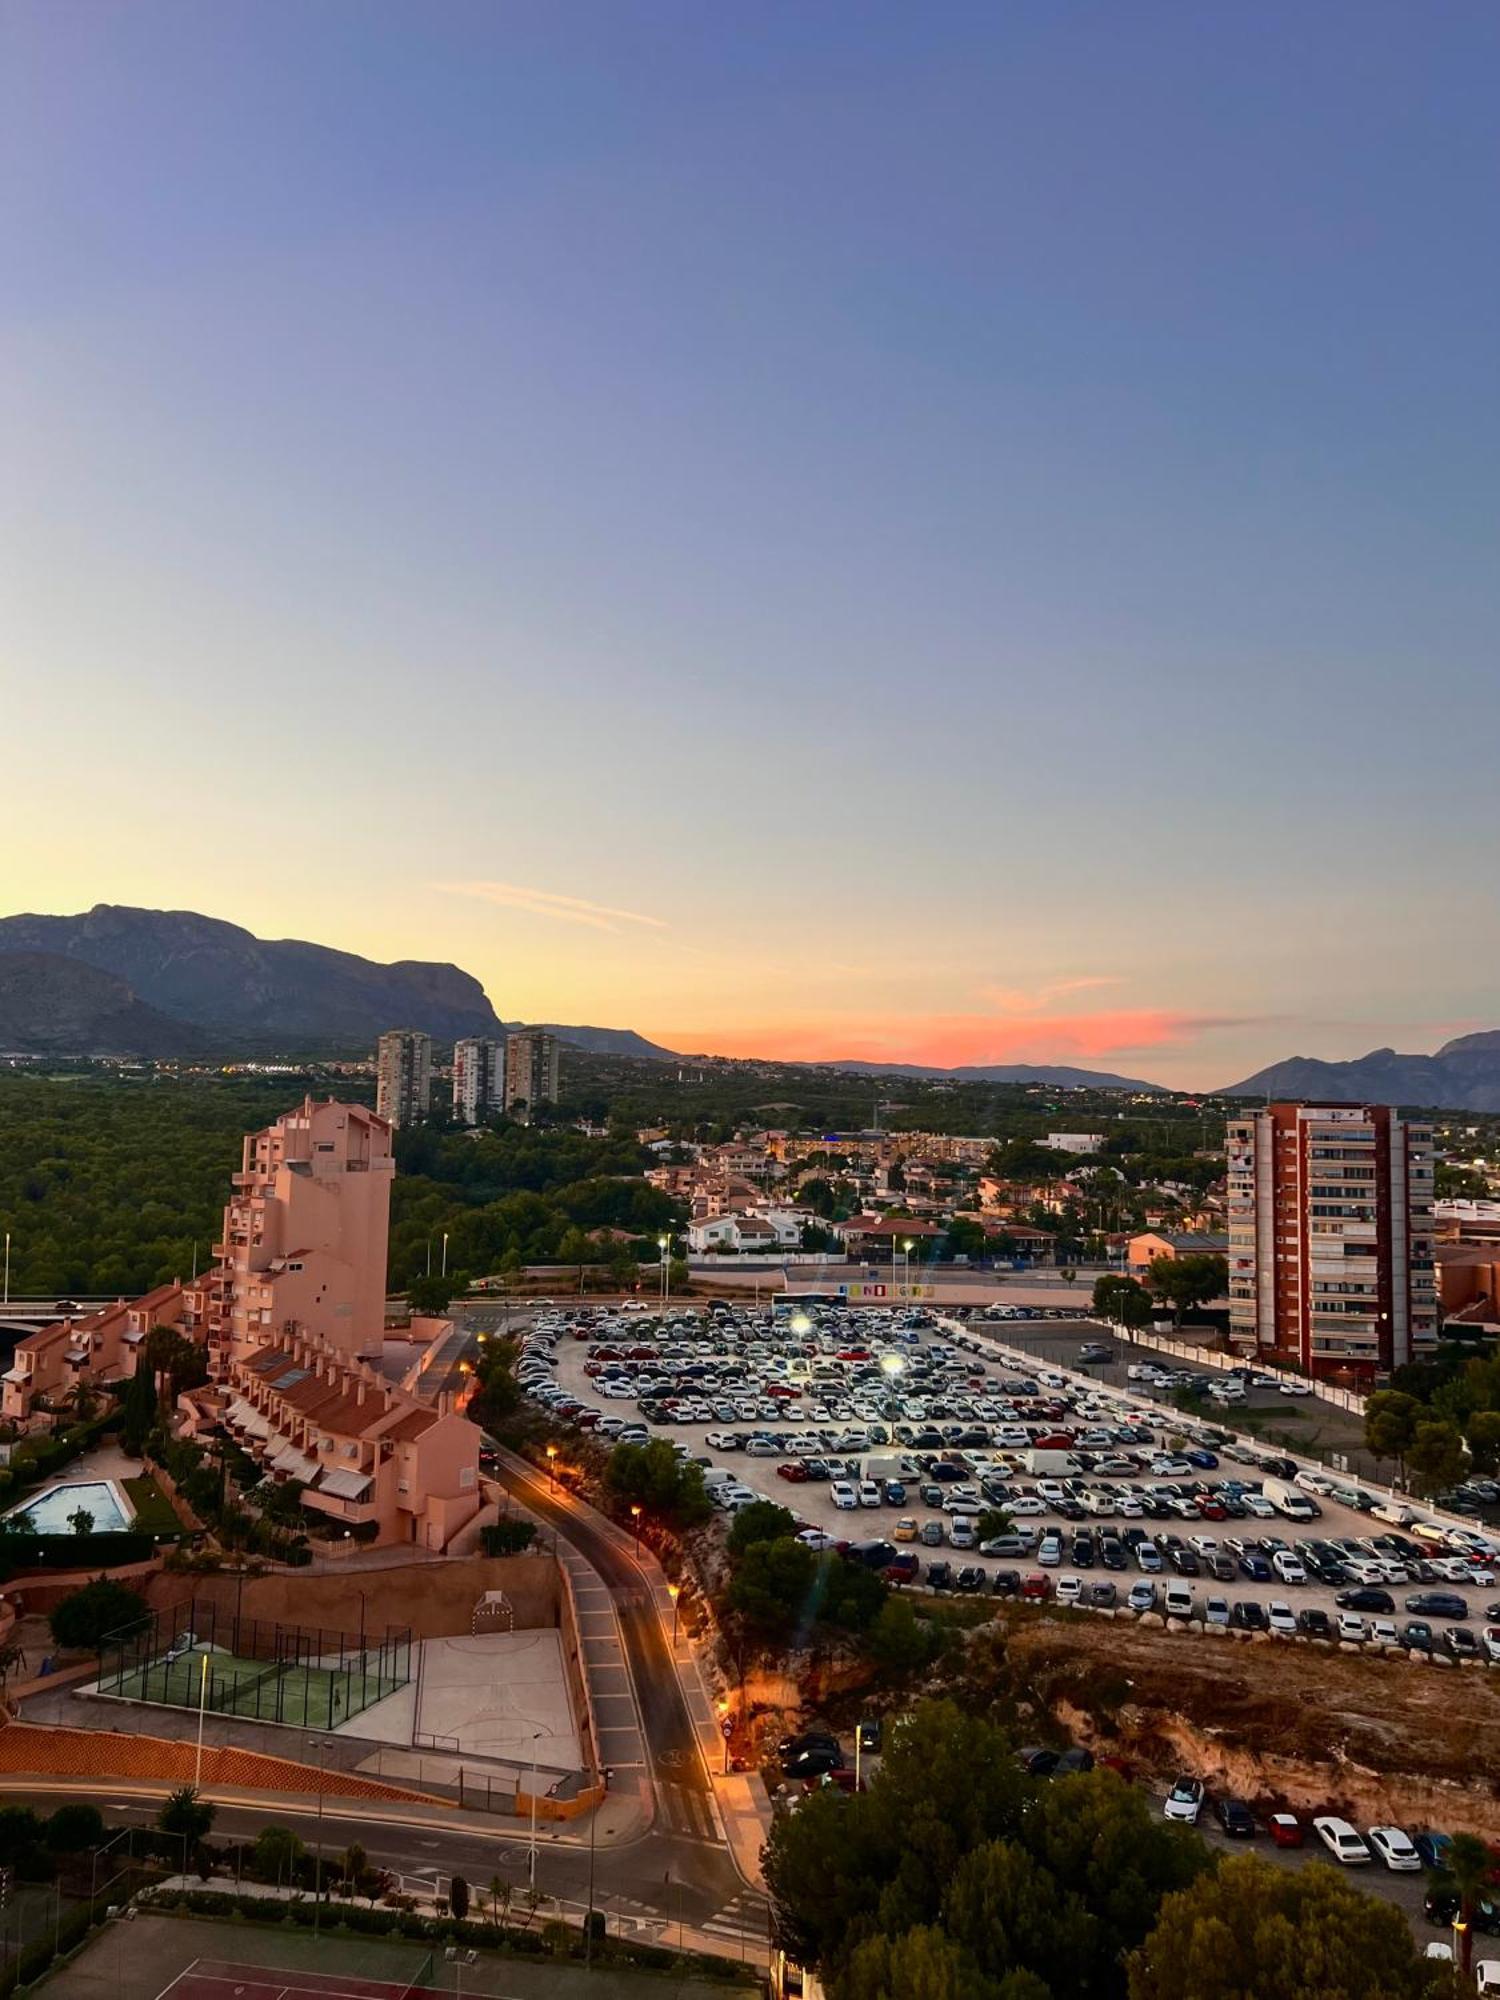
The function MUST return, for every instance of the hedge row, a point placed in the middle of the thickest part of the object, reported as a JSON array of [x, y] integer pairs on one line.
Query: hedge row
[[506, 1938], [19, 1553]]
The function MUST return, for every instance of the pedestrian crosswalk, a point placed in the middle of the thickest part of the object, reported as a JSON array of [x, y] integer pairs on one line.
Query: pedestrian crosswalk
[[743, 1920], [685, 1811]]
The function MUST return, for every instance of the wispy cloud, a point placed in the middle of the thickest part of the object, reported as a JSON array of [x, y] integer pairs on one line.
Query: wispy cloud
[[545, 903], [1034, 1000]]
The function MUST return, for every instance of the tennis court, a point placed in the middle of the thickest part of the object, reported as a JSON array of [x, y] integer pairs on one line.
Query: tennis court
[[194, 1958]]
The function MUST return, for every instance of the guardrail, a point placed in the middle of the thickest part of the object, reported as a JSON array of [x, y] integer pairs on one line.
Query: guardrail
[[1439, 1517]]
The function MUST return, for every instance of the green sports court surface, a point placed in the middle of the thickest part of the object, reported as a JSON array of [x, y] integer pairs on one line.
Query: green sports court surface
[[306, 1696]]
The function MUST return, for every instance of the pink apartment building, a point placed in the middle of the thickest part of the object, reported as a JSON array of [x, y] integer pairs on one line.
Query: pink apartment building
[[293, 1314], [100, 1347]]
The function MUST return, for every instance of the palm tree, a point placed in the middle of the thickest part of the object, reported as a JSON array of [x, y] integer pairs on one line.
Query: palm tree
[[1466, 1871]]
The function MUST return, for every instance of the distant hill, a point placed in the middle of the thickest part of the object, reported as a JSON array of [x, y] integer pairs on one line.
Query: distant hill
[[51, 1005], [609, 1042], [219, 981], [1464, 1075], [1056, 1076]]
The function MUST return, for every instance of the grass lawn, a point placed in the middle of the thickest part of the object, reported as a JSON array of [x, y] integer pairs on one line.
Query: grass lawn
[[153, 1510]]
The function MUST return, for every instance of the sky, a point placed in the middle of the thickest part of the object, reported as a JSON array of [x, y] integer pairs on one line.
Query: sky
[[960, 533]]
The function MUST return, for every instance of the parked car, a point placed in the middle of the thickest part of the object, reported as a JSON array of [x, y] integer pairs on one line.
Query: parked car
[[1185, 1801], [1236, 1819], [1285, 1829], [1395, 1849], [1437, 1604], [1344, 1842]]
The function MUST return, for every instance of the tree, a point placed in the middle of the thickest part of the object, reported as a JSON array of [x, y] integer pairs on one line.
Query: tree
[[1122, 1301], [762, 1521], [995, 1521], [429, 1296], [1185, 1282], [1391, 1426], [921, 1964], [663, 1485], [277, 1855], [899, 1642], [771, 1592], [139, 1410], [965, 1237], [1436, 1457], [1467, 1866], [1483, 1440], [81, 1521], [501, 1893], [1251, 1931], [75, 1828], [186, 1816], [458, 1897], [87, 1616]]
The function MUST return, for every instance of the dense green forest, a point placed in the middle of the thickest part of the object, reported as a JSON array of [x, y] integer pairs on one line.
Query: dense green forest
[[111, 1184], [514, 1195]]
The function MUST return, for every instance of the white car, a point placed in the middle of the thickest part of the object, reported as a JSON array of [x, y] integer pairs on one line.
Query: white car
[[1177, 1601], [1024, 1506], [1287, 1567], [844, 1494], [1352, 1627], [869, 1493], [814, 1538], [1185, 1801], [1491, 1640], [1258, 1505], [1394, 1849], [1279, 1616], [1487, 1976], [1069, 1589], [1342, 1840], [1383, 1632], [1292, 1387]]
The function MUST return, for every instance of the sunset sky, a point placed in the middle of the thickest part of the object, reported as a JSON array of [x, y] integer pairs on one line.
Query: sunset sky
[[954, 532]]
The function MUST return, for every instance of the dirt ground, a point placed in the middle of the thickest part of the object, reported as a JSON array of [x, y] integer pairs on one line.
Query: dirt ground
[[1299, 1724]]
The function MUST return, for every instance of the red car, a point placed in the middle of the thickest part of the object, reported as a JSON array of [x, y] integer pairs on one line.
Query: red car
[[854, 1354], [789, 1469], [1036, 1584], [1209, 1508], [1285, 1829]]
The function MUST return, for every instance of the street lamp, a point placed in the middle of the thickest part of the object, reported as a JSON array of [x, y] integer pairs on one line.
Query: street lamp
[[322, 1743], [674, 1591], [445, 1253], [664, 1244], [907, 1246], [552, 1467], [531, 1863], [635, 1515]]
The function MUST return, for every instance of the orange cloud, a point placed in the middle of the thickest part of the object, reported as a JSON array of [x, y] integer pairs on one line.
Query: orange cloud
[[952, 1041]]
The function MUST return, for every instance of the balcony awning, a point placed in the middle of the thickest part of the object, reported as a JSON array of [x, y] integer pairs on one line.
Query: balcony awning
[[296, 1464], [344, 1483], [16, 1375], [244, 1416]]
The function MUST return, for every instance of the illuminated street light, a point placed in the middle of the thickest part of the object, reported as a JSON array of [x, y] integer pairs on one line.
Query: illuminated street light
[[552, 1466], [635, 1515], [892, 1364], [801, 1324], [674, 1591]]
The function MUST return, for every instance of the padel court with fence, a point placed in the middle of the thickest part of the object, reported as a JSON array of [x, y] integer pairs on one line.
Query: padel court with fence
[[195, 1654]]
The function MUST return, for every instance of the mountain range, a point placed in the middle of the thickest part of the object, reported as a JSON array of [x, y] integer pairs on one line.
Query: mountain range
[[119, 981], [1056, 1076], [127, 982], [1464, 1075]]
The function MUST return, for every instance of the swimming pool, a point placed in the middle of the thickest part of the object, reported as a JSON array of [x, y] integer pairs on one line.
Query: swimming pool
[[50, 1512]]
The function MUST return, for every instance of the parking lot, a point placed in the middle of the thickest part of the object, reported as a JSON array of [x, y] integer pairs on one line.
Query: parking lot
[[893, 1434]]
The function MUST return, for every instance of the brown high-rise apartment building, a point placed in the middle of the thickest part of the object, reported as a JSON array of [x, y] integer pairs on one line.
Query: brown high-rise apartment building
[[1330, 1238], [403, 1076], [478, 1078], [531, 1069]]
